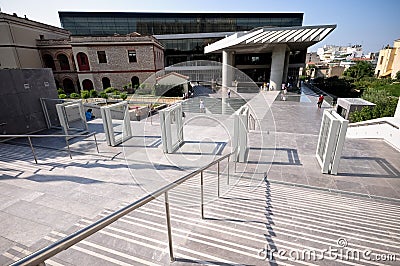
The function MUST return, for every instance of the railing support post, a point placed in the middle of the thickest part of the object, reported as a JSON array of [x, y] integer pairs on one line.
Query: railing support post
[[201, 195], [218, 179], [33, 151], [227, 180], [69, 150], [168, 218], [95, 141]]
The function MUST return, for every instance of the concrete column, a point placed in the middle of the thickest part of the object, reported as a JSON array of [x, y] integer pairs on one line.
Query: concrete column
[[227, 61], [277, 66], [286, 68]]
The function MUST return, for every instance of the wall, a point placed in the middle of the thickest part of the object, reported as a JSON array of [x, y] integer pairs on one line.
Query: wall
[[18, 40], [118, 69], [20, 107], [364, 130], [385, 64], [396, 59]]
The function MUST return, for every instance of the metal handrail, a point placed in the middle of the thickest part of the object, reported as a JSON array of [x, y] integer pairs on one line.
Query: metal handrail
[[329, 98], [42, 255], [365, 123], [52, 136]]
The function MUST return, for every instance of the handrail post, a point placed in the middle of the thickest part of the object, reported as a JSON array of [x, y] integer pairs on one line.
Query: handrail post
[[69, 150], [33, 151], [227, 180], [168, 218], [235, 165], [218, 179], [201, 195], [95, 141]]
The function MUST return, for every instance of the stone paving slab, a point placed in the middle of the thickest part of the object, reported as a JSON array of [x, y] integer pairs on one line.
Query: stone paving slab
[[282, 147]]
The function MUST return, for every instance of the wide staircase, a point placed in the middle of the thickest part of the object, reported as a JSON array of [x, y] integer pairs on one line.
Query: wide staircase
[[247, 219], [213, 105]]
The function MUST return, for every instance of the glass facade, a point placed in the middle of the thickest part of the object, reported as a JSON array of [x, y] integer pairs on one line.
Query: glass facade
[[186, 46], [109, 23]]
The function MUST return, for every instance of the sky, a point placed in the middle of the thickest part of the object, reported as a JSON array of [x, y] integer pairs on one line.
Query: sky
[[373, 24]]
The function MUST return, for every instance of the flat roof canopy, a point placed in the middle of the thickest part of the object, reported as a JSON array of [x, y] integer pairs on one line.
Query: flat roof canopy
[[264, 39]]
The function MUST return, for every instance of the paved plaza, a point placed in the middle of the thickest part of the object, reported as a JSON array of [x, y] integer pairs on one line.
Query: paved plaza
[[279, 200]]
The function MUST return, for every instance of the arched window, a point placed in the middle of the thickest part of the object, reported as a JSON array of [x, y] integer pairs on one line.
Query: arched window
[[135, 82], [87, 84], [49, 62], [83, 62], [57, 84], [63, 60], [68, 85], [106, 83]]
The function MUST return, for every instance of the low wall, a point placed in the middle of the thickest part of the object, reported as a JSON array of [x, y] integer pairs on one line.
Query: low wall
[[386, 128], [20, 93]]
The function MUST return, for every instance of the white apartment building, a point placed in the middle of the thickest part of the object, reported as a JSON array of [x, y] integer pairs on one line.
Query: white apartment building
[[330, 53]]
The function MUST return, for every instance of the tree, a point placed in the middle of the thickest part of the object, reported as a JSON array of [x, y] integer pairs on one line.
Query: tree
[[93, 93], [360, 70], [398, 75], [85, 94], [123, 96], [103, 95], [74, 95], [385, 105], [60, 91]]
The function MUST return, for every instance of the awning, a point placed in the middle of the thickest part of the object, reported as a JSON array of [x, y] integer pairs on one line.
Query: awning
[[263, 39]]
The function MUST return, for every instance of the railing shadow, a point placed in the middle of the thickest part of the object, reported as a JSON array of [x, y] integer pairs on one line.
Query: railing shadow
[[292, 156], [217, 150], [388, 168]]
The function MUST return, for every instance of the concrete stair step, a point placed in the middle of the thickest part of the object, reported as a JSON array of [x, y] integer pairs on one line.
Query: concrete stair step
[[237, 226]]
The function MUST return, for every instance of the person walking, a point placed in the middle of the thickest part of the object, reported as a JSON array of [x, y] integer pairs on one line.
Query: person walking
[[229, 93], [320, 101], [137, 113], [202, 106]]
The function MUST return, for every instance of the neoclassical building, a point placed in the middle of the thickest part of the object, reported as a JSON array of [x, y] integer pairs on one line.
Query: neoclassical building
[[79, 62], [18, 37]]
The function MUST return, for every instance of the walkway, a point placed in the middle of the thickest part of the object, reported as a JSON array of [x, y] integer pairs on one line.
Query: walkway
[[291, 209]]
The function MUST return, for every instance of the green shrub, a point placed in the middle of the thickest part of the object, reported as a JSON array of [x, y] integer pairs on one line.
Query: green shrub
[[74, 95], [116, 92], [93, 93], [123, 96], [62, 96], [110, 90], [85, 94], [60, 91], [103, 95], [359, 70], [385, 105]]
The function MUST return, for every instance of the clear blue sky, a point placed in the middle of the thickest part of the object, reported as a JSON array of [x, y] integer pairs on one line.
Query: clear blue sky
[[372, 24]]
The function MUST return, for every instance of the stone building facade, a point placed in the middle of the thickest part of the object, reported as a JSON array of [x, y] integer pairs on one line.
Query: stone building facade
[[100, 62], [57, 55]]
